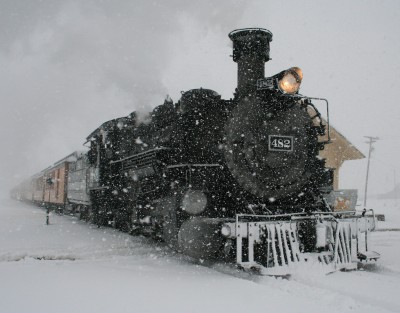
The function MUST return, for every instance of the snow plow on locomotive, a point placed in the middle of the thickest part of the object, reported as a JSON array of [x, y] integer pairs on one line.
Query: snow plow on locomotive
[[233, 179]]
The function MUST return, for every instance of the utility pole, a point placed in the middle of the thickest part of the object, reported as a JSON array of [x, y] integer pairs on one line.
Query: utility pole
[[370, 142], [395, 187]]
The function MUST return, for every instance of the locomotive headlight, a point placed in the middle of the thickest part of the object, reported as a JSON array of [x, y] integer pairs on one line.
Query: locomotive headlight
[[226, 230], [194, 202], [290, 80]]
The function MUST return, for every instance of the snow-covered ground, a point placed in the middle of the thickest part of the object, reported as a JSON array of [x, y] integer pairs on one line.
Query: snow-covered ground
[[70, 266]]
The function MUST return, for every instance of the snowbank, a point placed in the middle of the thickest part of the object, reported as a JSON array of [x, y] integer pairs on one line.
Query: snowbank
[[70, 266]]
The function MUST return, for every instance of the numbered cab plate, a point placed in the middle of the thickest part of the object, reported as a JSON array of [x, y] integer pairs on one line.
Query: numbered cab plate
[[280, 143]]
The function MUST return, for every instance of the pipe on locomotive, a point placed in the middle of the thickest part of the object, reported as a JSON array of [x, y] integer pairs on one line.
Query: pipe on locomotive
[[250, 52]]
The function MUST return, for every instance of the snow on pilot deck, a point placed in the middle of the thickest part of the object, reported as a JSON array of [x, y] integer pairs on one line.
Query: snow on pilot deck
[[70, 266]]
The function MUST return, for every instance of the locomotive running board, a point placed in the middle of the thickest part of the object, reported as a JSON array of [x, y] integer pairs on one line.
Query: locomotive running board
[[271, 245]]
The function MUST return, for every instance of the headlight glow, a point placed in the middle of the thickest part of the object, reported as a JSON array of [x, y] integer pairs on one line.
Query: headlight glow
[[290, 80]]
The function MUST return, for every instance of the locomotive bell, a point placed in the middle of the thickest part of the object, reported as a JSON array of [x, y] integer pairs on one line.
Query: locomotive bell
[[250, 52]]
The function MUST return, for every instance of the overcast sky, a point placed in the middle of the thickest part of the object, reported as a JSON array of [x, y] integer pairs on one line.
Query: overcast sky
[[67, 66]]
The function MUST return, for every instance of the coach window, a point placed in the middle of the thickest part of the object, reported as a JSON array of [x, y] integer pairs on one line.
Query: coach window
[[39, 184], [52, 176], [57, 181]]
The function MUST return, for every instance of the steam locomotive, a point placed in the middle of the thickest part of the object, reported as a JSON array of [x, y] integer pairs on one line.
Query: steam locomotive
[[222, 179]]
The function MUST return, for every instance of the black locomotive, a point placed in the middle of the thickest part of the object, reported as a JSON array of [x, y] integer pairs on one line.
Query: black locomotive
[[214, 178], [194, 164]]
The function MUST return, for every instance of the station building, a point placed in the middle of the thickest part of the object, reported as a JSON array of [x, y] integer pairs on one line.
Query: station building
[[336, 153]]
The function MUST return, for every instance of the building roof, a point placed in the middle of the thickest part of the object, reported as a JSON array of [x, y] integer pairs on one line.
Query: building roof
[[342, 146], [339, 149]]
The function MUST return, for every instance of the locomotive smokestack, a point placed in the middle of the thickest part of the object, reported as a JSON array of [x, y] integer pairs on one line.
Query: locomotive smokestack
[[250, 52]]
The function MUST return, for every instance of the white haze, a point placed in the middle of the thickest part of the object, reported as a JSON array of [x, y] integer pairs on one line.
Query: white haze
[[68, 66]]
